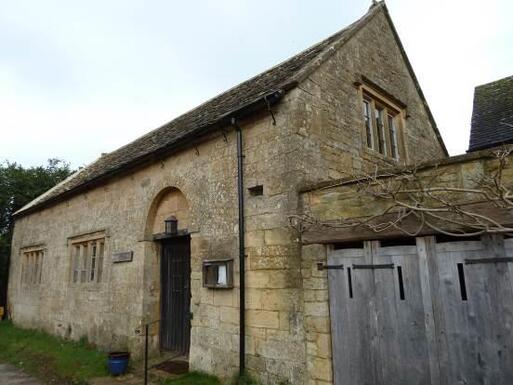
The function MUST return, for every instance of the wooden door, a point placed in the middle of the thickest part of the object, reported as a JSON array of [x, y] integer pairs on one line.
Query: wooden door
[[438, 312], [378, 326], [474, 302], [175, 295]]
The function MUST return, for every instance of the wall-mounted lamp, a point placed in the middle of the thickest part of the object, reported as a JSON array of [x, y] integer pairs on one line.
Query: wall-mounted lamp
[[171, 225]]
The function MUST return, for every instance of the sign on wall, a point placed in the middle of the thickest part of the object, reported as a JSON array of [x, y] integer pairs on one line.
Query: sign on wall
[[125, 256]]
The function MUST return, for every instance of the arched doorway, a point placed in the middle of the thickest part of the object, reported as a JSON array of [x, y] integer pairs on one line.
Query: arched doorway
[[175, 269]]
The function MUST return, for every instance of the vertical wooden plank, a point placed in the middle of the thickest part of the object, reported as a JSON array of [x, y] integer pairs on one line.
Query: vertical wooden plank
[[349, 320], [458, 336], [491, 292], [384, 311], [375, 349], [425, 246], [404, 353], [476, 328]]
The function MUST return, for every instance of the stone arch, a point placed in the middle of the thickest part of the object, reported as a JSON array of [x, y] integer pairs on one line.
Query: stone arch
[[169, 201]]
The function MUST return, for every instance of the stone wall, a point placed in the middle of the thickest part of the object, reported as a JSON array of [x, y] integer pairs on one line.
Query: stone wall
[[327, 124], [129, 209], [329, 108], [317, 137]]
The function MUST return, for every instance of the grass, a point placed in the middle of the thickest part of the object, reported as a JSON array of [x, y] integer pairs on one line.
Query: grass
[[247, 380], [52, 359]]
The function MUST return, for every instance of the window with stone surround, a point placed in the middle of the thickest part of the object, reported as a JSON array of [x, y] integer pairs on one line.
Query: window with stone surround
[[87, 260], [381, 125], [32, 267]]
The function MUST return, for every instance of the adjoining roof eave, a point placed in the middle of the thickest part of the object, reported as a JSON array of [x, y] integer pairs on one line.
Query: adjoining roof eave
[[245, 111], [493, 145]]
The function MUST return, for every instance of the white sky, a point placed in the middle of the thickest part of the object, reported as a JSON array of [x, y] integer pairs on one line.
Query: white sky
[[81, 78]]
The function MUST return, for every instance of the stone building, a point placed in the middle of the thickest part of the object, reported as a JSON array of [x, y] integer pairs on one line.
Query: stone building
[[420, 289], [92, 257]]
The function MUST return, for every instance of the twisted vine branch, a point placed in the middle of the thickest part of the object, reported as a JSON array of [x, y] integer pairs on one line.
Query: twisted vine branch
[[442, 208]]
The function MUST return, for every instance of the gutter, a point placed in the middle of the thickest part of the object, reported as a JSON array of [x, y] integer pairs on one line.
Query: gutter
[[261, 103], [242, 262]]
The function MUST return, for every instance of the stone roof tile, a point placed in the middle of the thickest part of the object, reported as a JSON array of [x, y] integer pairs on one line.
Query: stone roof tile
[[492, 115], [202, 119]]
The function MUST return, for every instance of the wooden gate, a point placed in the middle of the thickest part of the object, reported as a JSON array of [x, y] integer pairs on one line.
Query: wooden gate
[[424, 313], [175, 295]]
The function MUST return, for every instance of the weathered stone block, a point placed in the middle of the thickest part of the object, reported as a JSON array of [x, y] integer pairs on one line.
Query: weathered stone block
[[263, 319], [278, 236]]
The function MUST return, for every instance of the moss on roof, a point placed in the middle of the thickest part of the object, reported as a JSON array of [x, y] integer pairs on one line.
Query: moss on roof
[[492, 116]]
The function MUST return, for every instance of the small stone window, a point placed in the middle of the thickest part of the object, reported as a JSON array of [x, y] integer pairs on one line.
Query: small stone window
[[218, 274], [87, 261], [32, 267], [381, 122]]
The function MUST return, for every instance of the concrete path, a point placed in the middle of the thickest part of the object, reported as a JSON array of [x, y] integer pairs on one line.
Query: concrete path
[[11, 375]]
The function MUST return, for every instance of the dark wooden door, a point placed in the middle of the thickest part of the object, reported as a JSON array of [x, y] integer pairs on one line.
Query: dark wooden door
[[175, 292]]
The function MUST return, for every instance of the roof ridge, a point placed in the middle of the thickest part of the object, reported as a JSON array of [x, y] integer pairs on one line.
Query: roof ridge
[[201, 119], [510, 77], [326, 53], [342, 38]]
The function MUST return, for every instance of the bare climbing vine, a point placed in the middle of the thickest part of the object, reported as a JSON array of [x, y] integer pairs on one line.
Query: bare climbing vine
[[432, 202]]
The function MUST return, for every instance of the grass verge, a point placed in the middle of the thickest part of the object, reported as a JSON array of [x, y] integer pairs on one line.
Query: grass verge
[[51, 359]]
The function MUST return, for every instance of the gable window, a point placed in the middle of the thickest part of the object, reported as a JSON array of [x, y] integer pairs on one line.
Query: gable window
[[381, 122], [87, 260], [32, 267]]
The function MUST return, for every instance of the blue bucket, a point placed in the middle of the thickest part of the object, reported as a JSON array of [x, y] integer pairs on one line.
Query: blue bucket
[[118, 363]]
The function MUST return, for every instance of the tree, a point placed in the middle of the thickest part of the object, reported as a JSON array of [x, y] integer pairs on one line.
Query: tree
[[19, 186]]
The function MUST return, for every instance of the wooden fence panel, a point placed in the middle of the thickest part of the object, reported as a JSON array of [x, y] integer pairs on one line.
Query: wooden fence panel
[[378, 328], [351, 335], [400, 313], [434, 313]]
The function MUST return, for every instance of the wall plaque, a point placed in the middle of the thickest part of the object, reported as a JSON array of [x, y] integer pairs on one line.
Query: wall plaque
[[125, 256]]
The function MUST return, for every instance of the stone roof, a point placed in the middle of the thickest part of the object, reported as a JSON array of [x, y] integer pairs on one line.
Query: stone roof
[[257, 92], [492, 116]]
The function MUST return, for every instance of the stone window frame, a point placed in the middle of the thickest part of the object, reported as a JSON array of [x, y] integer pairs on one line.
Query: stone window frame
[[382, 143], [32, 265], [88, 270]]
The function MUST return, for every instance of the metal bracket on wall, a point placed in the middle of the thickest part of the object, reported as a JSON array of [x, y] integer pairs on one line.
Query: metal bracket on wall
[[487, 260], [378, 266], [270, 110], [322, 266]]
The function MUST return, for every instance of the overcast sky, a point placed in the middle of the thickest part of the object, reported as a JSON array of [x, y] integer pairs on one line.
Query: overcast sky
[[78, 78]]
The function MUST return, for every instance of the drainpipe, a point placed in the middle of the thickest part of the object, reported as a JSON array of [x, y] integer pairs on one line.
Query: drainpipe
[[242, 284]]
